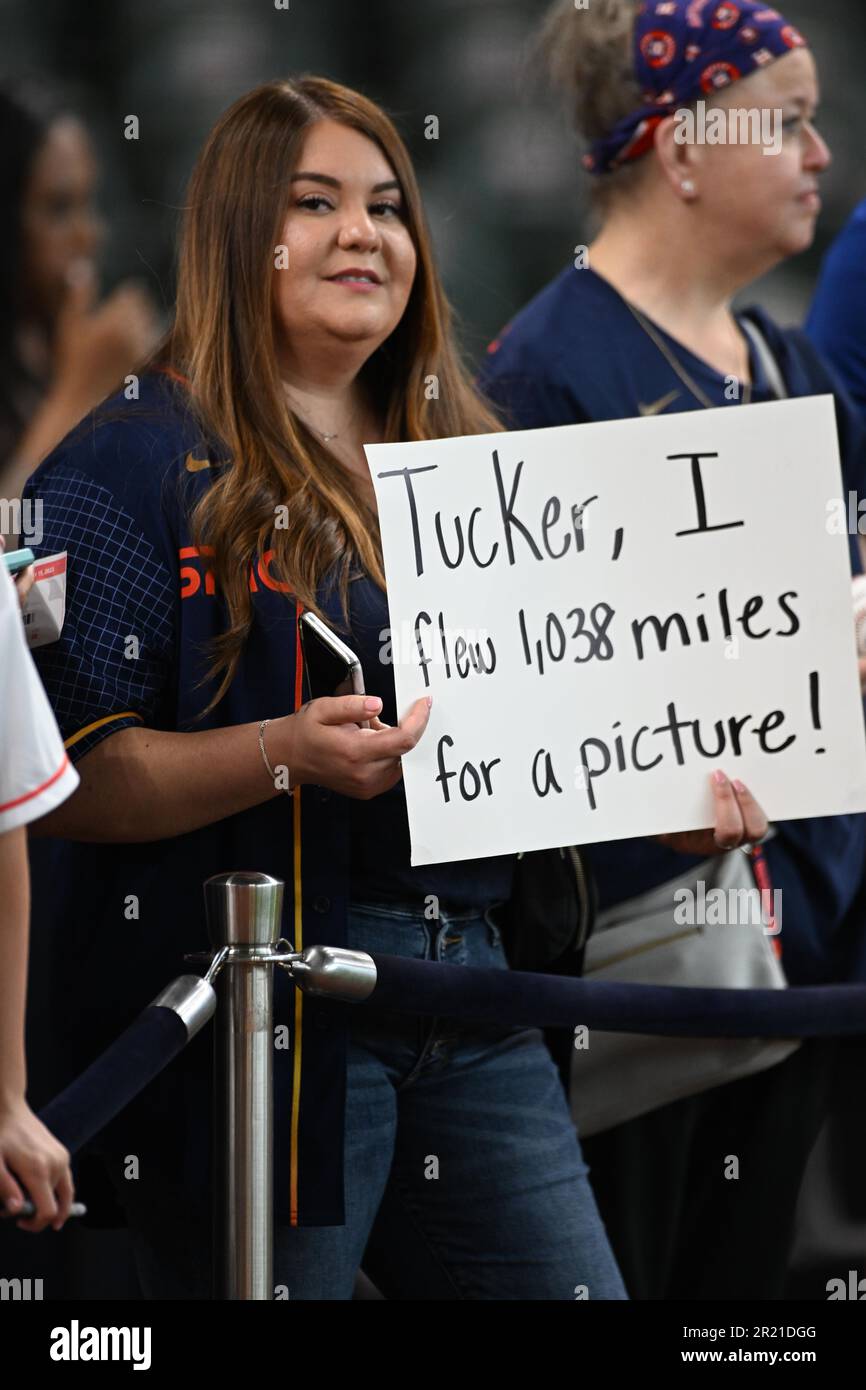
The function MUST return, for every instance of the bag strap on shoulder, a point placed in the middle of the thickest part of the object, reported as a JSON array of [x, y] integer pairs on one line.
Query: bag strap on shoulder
[[766, 357]]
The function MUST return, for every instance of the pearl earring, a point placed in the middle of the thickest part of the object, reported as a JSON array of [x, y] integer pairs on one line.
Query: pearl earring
[[688, 187]]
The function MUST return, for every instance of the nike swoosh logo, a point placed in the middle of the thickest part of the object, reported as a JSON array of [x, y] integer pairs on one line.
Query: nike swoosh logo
[[196, 465], [658, 406]]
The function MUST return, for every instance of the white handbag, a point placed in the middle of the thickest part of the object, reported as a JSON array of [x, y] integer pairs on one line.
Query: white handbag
[[654, 939]]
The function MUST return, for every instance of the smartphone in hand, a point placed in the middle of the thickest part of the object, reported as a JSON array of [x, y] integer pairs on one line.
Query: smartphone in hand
[[331, 667]]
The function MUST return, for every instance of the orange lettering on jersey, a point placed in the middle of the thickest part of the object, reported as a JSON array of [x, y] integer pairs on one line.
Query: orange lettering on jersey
[[265, 574], [190, 576]]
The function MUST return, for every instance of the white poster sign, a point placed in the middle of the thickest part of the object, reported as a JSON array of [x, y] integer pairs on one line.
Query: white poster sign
[[604, 614]]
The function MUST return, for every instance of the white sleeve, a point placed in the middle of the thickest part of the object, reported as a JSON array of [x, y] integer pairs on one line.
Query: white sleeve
[[35, 773]]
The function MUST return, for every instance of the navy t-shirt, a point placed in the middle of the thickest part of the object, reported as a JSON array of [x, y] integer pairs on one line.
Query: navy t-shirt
[[576, 353]]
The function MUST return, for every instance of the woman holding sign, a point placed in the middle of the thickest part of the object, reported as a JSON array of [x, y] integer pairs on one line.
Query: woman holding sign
[[642, 325], [199, 522]]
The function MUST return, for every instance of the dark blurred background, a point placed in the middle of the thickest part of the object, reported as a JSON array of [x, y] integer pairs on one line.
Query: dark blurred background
[[502, 184]]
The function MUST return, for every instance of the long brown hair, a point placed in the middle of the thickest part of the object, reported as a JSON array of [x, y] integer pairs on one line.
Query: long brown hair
[[223, 343]]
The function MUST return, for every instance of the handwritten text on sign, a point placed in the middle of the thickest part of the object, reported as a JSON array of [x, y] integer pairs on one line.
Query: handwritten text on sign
[[606, 613]]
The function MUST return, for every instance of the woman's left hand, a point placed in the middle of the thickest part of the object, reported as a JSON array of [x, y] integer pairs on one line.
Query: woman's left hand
[[739, 821]]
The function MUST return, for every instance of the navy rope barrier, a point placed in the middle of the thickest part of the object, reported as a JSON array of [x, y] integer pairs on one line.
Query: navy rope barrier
[[116, 1077], [139, 1054], [486, 996], [552, 1001]]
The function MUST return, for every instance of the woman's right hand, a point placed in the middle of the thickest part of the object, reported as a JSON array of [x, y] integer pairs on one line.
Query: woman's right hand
[[323, 743]]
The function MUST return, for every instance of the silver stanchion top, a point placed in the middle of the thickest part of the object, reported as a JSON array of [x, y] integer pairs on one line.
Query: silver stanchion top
[[243, 909]]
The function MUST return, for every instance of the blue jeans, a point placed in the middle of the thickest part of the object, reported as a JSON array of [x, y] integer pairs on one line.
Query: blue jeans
[[464, 1175]]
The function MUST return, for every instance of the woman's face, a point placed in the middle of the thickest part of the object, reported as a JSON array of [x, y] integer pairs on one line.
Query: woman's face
[[765, 206], [60, 226], [351, 260]]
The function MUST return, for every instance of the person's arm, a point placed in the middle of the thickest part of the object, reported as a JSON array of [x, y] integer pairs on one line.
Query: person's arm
[[140, 785], [838, 313], [34, 777], [29, 1154], [14, 915]]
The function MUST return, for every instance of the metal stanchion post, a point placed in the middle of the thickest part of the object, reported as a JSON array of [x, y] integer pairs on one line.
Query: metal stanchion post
[[243, 917], [243, 914]]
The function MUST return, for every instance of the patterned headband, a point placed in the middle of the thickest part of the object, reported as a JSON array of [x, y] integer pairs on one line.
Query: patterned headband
[[685, 50]]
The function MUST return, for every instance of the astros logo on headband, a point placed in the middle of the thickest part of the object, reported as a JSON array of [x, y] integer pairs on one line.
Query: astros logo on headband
[[684, 50], [658, 48]]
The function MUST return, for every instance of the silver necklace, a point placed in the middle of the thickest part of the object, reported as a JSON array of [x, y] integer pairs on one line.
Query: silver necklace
[[325, 438], [684, 376]]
